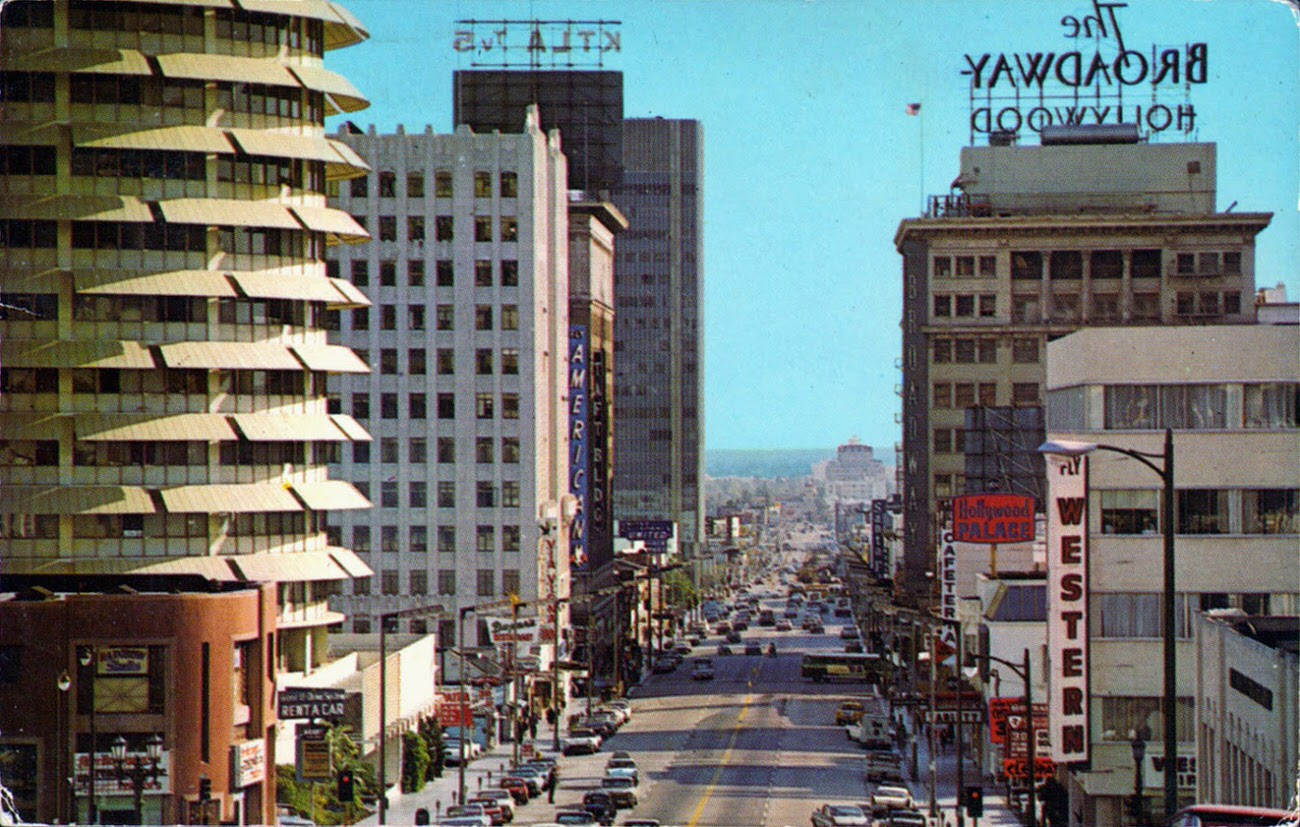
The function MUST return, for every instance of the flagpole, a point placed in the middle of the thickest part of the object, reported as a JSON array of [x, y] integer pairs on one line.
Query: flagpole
[[914, 110]]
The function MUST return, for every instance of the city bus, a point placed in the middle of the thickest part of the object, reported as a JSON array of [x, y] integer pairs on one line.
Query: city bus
[[843, 666]]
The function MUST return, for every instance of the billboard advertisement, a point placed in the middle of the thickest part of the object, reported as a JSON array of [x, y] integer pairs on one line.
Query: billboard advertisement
[[993, 518], [1067, 606]]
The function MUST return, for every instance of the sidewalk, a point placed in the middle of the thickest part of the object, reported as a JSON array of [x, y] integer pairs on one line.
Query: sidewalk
[[996, 811], [440, 793]]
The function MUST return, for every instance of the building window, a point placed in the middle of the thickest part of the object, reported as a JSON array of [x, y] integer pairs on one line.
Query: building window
[[419, 583], [387, 228], [388, 495], [361, 453], [414, 185], [965, 306], [446, 447], [1185, 264], [483, 453], [988, 354], [415, 228], [446, 272], [483, 361], [482, 185], [988, 394], [484, 406], [388, 450], [360, 405], [1145, 264], [442, 183], [963, 395], [1026, 265], [388, 273], [1121, 716], [446, 361], [510, 538], [942, 392], [415, 272], [445, 317], [446, 494], [1146, 307], [387, 184], [418, 494], [483, 317], [509, 406], [942, 351], [416, 406], [964, 351], [359, 187], [941, 267], [1134, 511], [1024, 309], [988, 307], [485, 495], [510, 581], [416, 361], [1202, 511], [509, 184], [509, 361], [444, 228], [446, 539], [1105, 307], [361, 318], [388, 317], [1065, 307], [389, 582], [446, 582], [484, 583], [485, 539], [509, 228], [417, 450], [510, 495], [988, 267], [361, 273], [509, 273], [361, 587], [510, 449], [388, 406], [361, 539], [1066, 264], [1270, 511], [1106, 264], [509, 317], [1145, 407], [1024, 394], [1232, 264], [965, 267], [942, 441], [483, 273], [1272, 406], [482, 228], [943, 307], [446, 406]]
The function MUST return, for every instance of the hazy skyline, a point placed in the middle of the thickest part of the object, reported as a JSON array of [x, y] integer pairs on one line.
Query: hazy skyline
[[811, 160]]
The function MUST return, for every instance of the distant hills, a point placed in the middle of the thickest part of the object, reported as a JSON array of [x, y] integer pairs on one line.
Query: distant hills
[[764, 464]]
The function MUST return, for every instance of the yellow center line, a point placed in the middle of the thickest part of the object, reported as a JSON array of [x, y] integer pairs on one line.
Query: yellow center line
[[726, 757]]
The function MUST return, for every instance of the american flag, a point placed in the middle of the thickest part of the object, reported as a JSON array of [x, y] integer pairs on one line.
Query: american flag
[[914, 109]]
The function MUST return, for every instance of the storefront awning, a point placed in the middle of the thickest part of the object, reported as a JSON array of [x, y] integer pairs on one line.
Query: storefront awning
[[76, 499], [331, 359], [132, 283], [277, 286], [294, 567], [196, 66], [351, 427], [81, 60], [76, 208], [20, 353], [336, 224], [228, 212], [228, 355], [181, 138], [351, 296], [269, 427]]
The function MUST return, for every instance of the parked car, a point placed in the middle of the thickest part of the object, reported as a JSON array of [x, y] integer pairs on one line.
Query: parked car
[[783, 626], [503, 799], [848, 712], [491, 808], [906, 818], [572, 816], [580, 741], [471, 811], [849, 632], [752, 648], [517, 787], [840, 815], [601, 805], [733, 637]]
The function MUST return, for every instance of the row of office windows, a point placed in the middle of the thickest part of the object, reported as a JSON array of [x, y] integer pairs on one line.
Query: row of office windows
[[1024, 351], [444, 228], [1026, 308], [124, 454], [487, 272], [444, 317], [486, 406], [193, 238], [443, 186], [1109, 264], [1263, 406], [1203, 511], [965, 306], [164, 165], [486, 451], [416, 540], [193, 309], [292, 525], [417, 583], [486, 494], [984, 394], [174, 381]]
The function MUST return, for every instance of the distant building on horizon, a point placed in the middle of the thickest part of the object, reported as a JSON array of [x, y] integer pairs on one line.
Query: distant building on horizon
[[854, 475]]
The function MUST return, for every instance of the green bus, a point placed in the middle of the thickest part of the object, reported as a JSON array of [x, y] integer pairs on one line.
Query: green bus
[[843, 666]]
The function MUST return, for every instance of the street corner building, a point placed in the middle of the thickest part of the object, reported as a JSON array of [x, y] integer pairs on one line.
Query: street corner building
[[165, 428]]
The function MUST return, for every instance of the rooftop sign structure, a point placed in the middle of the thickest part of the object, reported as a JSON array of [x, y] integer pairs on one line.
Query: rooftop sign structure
[[1114, 82], [537, 44]]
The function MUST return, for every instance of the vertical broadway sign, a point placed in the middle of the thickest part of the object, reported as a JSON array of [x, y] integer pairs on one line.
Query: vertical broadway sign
[[578, 443], [1067, 606]]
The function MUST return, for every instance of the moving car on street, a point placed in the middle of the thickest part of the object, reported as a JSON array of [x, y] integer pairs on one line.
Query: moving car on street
[[840, 815]]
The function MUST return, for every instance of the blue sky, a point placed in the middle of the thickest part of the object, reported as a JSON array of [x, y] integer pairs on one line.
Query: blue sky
[[811, 161]]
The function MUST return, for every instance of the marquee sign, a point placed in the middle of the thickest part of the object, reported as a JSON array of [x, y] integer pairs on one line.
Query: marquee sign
[[537, 43], [948, 578], [1034, 89], [993, 518], [1067, 606], [578, 443]]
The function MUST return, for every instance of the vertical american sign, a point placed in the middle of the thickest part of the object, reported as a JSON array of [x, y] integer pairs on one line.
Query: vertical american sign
[[578, 437], [1067, 606]]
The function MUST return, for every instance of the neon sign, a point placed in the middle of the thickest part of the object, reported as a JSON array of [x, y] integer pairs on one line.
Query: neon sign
[[537, 43], [1033, 90]]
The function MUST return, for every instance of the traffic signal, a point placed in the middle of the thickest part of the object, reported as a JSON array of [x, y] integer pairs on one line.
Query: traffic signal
[[347, 790], [205, 788], [974, 802]]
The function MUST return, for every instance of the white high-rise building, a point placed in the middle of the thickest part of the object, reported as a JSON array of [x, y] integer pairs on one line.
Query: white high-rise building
[[468, 340]]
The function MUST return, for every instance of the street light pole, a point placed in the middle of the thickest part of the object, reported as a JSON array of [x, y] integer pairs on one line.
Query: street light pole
[[1023, 671], [1165, 470]]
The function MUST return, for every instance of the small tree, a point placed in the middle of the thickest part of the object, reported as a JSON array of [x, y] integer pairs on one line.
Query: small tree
[[415, 762], [431, 731]]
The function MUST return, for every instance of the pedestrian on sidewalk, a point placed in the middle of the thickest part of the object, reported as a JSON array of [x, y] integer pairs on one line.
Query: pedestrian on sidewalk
[[551, 782]]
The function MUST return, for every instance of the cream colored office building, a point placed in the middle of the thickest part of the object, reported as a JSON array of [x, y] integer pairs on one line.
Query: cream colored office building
[[1230, 394], [468, 338]]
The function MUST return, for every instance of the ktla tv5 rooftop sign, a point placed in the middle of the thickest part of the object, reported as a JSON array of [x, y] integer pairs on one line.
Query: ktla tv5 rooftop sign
[[1034, 89], [536, 42]]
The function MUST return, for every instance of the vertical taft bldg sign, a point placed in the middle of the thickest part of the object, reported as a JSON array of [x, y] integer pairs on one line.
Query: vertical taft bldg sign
[[1067, 606]]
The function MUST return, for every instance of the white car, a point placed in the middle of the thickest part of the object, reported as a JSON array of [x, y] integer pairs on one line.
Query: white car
[[891, 797], [584, 741]]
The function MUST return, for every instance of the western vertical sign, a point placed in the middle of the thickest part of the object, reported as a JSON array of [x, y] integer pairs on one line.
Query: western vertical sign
[[1067, 606]]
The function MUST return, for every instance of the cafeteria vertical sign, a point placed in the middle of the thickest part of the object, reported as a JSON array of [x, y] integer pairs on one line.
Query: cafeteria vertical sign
[[1067, 606]]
